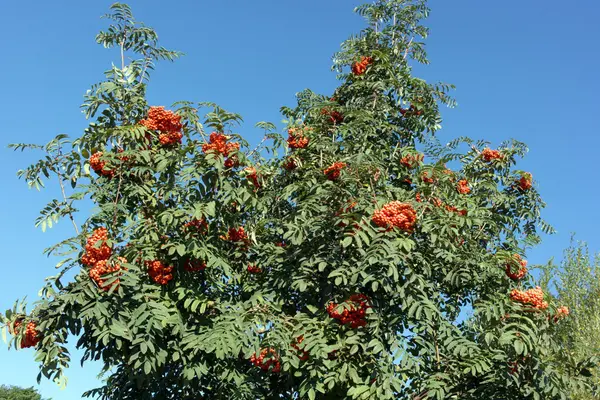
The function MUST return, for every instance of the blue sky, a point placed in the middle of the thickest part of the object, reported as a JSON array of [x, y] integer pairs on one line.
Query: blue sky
[[523, 69]]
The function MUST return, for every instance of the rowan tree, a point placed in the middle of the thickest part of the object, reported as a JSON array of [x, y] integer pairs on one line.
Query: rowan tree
[[337, 260]]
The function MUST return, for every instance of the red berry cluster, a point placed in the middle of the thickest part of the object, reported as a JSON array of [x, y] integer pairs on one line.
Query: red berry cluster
[[353, 311], [31, 336], [296, 138], [561, 312], [411, 111], [302, 354], [159, 272], [254, 269], [96, 249], [219, 143], [290, 164], [525, 182], [272, 360], [412, 160], [196, 225], [166, 122], [426, 178], [236, 235], [194, 265], [104, 267], [395, 214], [522, 271], [252, 175], [99, 166], [534, 297], [463, 187], [488, 154], [335, 117], [359, 67], [334, 171], [455, 209]]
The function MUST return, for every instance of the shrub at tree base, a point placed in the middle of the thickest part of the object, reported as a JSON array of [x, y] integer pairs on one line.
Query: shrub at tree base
[[335, 263]]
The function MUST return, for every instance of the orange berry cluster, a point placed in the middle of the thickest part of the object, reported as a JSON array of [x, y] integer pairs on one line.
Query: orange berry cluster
[[198, 225], [166, 122], [290, 164], [194, 265], [104, 267], [159, 272], [296, 139], [272, 360], [96, 249], [463, 187], [353, 312], [411, 111], [525, 182], [488, 154], [412, 160], [561, 312], [31, 337], [515, 276], [396, 215], [334, 171], [219, 143], [236, 235], [359, 67], [335, 117], [252, 176], [99, 166], [302, 354], [426, 178], [254, 269], [455, 209], [535, 297]]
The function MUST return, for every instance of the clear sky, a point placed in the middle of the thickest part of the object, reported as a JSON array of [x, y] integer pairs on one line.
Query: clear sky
[[523, 69]]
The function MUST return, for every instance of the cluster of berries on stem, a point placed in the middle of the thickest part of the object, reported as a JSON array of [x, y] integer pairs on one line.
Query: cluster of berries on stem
[[334, 171], [159, 272], [488, 154], [96, 256], [463, 187], [267, 359], [302, 354], [194, 265], [352, 312], [533, 297], [412, 160], [99, 166], [196, 225], [254, 269], [31, 336], [395, 214], [219, 143], [521, 272], [297, 139], [360, 67], [167, 123], [525, 182]]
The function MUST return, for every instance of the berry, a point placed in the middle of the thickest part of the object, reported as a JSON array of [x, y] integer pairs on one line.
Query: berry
[[412, 160], [96, 249], [167, 123], [395, 215], [159, 272], [334, 171], [254, 269], [426, 178], [296, 138], [515, 276], [463, 187], [252, 175], [104, 267], [99, 166], [488, 154], [335, 117], [302, 354], [272, 360], [196, 225], [561, 312], [353, 311], [359, 67], [525, 182], [218, 143], [534, 297], [194, 265]]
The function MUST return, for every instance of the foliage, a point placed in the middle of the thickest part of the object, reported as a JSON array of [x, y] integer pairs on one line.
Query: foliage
[[17, 393], [576, 285], [338, 263]]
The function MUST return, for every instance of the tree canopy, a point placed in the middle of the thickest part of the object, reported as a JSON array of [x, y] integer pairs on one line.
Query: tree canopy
[[337, 262]]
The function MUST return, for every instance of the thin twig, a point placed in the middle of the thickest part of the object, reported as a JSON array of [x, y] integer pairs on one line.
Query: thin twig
[[407, 48]]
